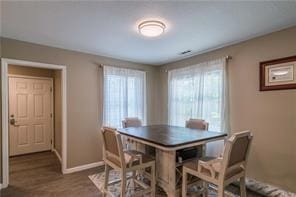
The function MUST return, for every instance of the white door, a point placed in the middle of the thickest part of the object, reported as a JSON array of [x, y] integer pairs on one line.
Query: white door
[[30, 115]]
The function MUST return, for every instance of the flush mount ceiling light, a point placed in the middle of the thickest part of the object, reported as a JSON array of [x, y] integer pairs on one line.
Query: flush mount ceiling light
[[151, 28]]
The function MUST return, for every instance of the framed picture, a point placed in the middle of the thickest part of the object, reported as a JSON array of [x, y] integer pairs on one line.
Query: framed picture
[[278, 74]]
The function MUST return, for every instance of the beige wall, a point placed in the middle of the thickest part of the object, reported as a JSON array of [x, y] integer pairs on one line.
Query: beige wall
[[30, 71], [1, 111], [58, 111], [271, 115], [84, 93]]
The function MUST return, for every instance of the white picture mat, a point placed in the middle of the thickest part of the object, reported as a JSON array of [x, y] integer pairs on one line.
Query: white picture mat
[[274, 74]]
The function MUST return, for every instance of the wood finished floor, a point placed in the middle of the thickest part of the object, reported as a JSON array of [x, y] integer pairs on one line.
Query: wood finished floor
[[39, 174]]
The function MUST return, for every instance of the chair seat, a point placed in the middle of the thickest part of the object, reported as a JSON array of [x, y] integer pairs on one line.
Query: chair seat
[[216, 165], [132, 157]]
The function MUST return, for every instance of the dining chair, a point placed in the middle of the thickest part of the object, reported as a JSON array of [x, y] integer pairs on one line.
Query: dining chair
[[223, 170], [129, 143], [131, 122], [125, 161], [201, 125], [197, 124]]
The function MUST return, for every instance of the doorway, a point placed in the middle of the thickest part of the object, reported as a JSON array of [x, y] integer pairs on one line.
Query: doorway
[[33, 119]]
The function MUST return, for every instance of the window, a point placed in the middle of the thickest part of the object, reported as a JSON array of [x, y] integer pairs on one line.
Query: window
[[124, 95], [199, 92]]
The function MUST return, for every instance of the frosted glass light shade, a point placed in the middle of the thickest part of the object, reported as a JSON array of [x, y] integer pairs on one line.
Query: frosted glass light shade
[[151, 28]]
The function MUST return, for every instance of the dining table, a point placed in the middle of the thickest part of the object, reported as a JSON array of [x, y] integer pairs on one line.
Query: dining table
[[167, 141]]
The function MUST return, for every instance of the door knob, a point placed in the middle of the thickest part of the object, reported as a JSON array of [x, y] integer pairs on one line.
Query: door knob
[[13, 122]]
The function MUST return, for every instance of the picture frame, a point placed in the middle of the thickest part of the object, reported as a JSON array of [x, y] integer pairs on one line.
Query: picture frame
[[278, 74]]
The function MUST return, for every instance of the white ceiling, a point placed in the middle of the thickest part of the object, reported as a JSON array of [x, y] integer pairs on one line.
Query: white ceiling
[[110, 28]]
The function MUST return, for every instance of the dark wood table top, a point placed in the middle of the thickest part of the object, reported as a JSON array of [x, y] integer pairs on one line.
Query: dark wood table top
[[170, 136]]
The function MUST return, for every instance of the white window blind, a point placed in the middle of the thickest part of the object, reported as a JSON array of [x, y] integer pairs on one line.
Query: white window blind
[[124, 95]]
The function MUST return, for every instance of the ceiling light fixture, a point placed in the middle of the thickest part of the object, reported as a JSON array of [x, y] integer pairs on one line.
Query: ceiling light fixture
[[151, 28]]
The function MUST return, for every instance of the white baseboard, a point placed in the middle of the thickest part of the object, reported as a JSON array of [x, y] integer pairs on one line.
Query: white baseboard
[[58, 155], [83, 167]]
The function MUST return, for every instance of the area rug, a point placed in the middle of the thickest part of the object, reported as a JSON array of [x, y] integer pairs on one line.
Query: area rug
[[267, 190], [98, 180]]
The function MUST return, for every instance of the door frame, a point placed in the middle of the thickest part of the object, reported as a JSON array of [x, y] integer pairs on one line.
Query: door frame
[[5, 116], [51, 103]]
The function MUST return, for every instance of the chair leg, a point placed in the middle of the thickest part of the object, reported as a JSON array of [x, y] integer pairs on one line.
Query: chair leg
[[107, 169], [243, 187], [220, 191], [153, 182], [134, 177], [204, 150], [184, 183], [123, 184], [205, 188]]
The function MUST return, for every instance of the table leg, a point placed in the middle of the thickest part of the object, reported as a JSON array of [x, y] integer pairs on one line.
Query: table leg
[[172, 174], [166, 171]]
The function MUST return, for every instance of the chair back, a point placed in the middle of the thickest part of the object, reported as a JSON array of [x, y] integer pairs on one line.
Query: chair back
[[236, 152], [131, 122], [113, 150], [197, 124]]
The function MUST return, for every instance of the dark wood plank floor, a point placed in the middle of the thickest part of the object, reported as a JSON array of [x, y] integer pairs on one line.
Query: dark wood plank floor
[[39, 174]]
